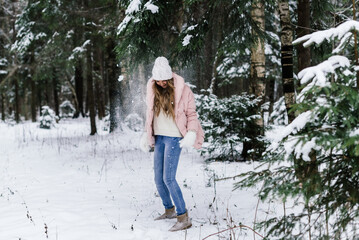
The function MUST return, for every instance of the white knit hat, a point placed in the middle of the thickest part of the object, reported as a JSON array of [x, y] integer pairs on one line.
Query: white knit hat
[[161, 70]]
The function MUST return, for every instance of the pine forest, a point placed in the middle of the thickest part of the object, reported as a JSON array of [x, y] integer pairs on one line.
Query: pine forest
[[274, 85]]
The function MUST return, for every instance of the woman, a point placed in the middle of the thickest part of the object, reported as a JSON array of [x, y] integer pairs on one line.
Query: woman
[[171, 123]]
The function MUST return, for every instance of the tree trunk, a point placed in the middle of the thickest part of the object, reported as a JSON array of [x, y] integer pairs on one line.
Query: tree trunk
[[2, 107], [39, 91], [33, 88], [198, 66], [207, 61], [79, 78], [17, 100], [104, 74], [270, 93], [48, 98], [217, 41], [124, 90], [304, 58], [79, 86], [99, 83], [2, 53], [287, 57], [55, 94], [306, 172], [90, 93], [113, 84], [16, 74], [24, 100], [198, 72], [257, 85], [33, 100], [257, 81]]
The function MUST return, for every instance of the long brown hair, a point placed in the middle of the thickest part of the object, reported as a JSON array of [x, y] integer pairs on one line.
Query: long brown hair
[[165, 99]]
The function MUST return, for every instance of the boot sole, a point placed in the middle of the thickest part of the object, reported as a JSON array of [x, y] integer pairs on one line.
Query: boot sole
[[164, 218], [180, 229]]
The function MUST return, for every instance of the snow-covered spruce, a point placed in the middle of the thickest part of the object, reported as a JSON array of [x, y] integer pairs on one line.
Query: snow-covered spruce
[[48, 117], [230, 127], [314, 161]]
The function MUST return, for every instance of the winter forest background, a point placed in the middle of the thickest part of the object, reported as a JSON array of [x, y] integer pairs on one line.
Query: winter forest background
[[277, 90]]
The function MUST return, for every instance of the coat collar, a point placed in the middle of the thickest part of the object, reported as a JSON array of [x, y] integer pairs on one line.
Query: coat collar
[[179, 85]]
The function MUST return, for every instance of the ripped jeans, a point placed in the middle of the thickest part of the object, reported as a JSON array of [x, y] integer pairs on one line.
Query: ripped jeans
[[166, 156]]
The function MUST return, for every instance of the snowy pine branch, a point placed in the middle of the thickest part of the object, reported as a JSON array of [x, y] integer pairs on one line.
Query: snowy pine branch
[[79, 50], [283, 132], [341, 32], [134, 7], [318, 74]]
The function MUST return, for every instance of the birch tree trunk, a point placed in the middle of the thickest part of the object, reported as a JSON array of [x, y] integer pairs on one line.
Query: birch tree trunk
[[257, 83], [286, 38]]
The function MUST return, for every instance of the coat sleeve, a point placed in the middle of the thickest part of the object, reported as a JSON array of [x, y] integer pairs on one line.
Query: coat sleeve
[[192, 119], [149, 113]]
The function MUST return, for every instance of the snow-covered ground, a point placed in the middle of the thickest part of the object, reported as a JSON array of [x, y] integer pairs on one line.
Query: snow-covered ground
[[63, 184]]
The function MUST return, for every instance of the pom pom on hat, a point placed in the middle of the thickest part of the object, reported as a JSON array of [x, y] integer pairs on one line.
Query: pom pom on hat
[[161, 70]]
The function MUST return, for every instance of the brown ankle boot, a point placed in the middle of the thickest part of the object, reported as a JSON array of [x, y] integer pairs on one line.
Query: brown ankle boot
[[169, 213], [183, 222]]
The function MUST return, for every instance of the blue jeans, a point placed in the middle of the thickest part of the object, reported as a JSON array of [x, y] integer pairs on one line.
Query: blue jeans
[[166, 155]]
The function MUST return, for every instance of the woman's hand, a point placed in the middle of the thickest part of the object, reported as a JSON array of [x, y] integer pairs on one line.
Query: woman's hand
[[188, 140], [144, 143]]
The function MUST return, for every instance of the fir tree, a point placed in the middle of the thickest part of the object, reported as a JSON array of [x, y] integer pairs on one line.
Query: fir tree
[[324, 189]]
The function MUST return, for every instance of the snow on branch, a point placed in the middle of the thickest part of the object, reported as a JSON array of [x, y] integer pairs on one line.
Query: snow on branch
[[132, 9], [79, 50], [318, 74], [123, 24], [338, 32], [319, 71], [342, 43], [186, 40], [298, 123], [151, 7], [293, 144]]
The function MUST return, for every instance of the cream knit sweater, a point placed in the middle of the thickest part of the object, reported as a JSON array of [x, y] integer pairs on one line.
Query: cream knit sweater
[[165, 125]]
